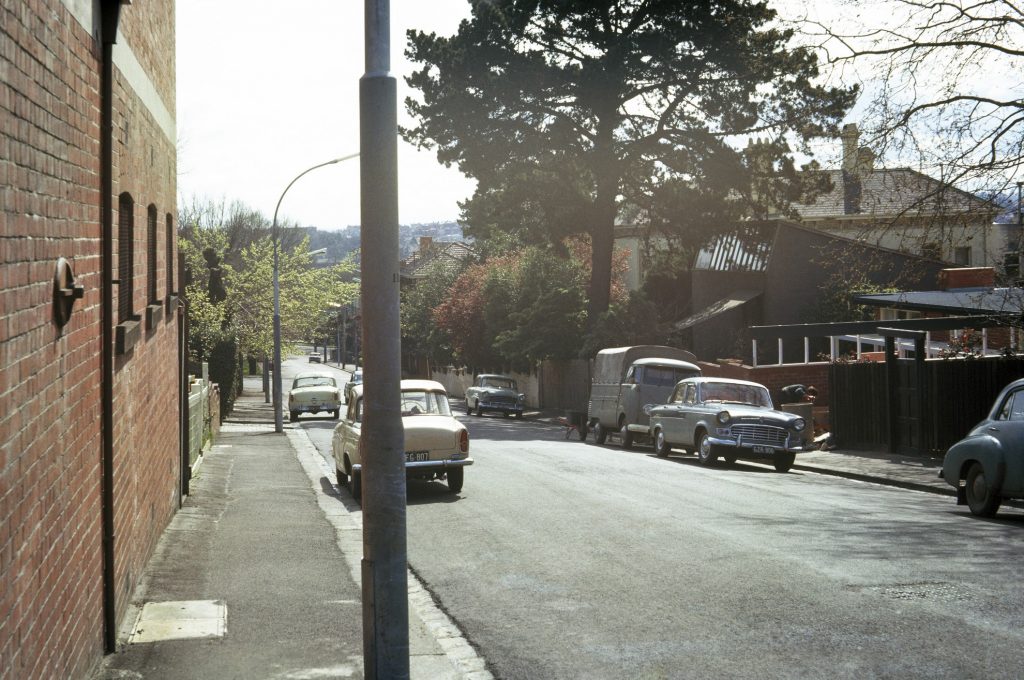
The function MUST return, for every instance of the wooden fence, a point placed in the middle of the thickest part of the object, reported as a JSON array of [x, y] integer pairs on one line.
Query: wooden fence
[[957, 394]]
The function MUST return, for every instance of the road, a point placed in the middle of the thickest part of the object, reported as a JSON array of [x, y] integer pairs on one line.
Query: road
[[563, 559]]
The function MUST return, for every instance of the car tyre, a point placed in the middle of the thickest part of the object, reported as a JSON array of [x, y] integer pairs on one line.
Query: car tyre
[[600, 434], [479, 409], [337, 414], [661, 445], [519, 415], [625, 435], [455, 479], [783, 461], [356, 487], [342, 477], [981, 498], [293, 416], [707, 453]]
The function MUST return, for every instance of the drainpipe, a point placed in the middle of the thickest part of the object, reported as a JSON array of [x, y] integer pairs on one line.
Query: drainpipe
[[110, 11]]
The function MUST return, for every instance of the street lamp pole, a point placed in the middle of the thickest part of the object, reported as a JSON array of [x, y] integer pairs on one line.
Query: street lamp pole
[[278, 423]]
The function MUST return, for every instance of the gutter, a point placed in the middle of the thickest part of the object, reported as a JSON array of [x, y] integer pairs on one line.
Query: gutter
[[110, 11]]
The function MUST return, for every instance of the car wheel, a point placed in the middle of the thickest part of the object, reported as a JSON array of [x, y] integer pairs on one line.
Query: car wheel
[[707, 453], [505, 414], [342, 478], [981, 498], [519, 415], [469, 408], [337, 414], [293, 416], [479, 409], [455, 478], [625, 435], [661, 446], [783, 461], [600, 434], [356, 486]]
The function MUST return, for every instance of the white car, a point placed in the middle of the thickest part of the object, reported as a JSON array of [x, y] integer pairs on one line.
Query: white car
[[314, 392], [355, 379], [436, 444]]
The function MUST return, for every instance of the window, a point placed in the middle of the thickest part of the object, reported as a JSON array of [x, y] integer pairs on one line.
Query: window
[[151, 297], [125, 254], [962, 255], [691, 395], [932, 250], [169, 256], [1013, 408]]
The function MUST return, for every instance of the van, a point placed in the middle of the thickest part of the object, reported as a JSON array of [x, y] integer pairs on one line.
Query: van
[[625, 380]]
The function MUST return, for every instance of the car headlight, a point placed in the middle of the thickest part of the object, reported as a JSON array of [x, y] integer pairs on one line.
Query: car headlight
[[521, 397], [724, 417], [799, 424], [647, 409]]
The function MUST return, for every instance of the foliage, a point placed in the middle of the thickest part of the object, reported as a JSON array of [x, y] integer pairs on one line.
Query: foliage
[[420, 335], [948, 91], [568, 112], [632, 322]]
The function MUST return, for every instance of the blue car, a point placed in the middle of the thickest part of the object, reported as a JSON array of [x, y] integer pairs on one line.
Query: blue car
[[987, 465]]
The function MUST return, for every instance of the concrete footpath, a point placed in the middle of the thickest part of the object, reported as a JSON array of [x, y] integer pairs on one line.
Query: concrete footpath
[[257, 575]]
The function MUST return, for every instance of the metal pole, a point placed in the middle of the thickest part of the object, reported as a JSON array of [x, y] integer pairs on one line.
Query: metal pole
[[382, 443], [278, 424]]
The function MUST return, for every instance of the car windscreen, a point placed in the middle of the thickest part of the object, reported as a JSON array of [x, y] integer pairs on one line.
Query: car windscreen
[[425, 402], [732, 393], [500, 383], [315, 381], [664, 376]]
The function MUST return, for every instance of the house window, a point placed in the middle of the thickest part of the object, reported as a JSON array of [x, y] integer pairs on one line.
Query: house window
[[1011, 264], [125, 253], [170, 255], [962, 255], [151, 297]]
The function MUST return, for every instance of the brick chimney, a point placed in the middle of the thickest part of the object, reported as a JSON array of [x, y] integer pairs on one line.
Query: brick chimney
[[967, 277], [426, 243], [851, 137]]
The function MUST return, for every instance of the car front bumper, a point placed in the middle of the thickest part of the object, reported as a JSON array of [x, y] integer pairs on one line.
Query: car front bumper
[[753, 450]]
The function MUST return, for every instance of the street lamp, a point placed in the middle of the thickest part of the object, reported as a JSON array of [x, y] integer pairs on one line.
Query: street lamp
[[278, 424]]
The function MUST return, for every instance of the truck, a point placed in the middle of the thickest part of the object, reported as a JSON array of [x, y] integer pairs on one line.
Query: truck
[[625, 380]]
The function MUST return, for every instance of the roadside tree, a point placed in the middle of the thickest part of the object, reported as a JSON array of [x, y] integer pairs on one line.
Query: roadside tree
[[566, 112]]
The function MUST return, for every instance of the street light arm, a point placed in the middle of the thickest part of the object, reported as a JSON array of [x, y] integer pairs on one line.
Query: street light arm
[[304, 172]]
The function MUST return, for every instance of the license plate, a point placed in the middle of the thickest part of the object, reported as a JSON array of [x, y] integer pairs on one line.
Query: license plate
[[414, 456], [762, 449]]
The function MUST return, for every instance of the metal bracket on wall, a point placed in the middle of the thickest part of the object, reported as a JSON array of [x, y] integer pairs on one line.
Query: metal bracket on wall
[[65, 292]]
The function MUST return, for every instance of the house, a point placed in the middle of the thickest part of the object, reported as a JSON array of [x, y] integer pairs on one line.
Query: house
[[452, 256], [905, 210], [91, 468]]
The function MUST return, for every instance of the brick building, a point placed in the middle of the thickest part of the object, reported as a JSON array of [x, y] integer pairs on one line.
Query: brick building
[[89, 331]]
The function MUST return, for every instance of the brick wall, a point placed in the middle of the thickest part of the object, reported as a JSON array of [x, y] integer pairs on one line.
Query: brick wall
[[775, 377], [51, 607]]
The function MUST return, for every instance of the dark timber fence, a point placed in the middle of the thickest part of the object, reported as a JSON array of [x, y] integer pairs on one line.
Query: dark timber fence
[[957, 394]]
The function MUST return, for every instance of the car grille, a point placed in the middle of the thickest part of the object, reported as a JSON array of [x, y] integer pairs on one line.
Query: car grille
[[768, 435], [509, 401]]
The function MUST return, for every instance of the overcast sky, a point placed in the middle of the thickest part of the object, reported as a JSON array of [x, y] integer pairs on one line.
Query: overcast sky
[[266, 90], [263, 94]]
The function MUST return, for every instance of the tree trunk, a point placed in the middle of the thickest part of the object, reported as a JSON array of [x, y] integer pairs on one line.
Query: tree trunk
[[602, 226]]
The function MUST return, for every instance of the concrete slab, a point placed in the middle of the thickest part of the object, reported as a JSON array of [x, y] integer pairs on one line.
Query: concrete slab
[[180, 620]]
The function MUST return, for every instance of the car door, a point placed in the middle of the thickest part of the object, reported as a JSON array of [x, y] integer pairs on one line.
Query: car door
[[670, 416], [1009, 430], [687, 415]]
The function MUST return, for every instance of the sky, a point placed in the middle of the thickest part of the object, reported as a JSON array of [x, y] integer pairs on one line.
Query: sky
[[263, 94]]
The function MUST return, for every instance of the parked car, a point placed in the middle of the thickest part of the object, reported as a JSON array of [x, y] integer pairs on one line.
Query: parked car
[[436, 444], [987, 465], [493, 392], [314, 358], [355, 379], [625, 380], [314, 392], [729, 418]]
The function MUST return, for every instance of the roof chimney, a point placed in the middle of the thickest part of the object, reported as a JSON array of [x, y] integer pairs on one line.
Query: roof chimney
[[850, 137], [426, 242]]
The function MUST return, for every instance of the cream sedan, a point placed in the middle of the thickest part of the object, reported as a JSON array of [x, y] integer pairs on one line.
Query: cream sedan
[[314, 392], [436, 444]]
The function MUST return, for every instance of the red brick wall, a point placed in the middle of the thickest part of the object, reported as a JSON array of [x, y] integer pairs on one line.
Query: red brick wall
[[51, 610], [775, 377]]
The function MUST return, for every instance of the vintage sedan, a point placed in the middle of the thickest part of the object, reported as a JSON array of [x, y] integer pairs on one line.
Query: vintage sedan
[[314, 392], [355, 379], [732, 419], [436, 444], [987, 465], [493, 392]]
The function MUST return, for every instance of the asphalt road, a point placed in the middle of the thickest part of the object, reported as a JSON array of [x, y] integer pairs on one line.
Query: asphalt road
[[563, 559]]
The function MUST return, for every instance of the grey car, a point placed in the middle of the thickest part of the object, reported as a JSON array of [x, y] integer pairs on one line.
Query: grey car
[[494, 392], [987, 465], [731, 419]]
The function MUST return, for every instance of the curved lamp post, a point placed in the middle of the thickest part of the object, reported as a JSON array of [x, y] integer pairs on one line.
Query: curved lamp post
[[278, 421]]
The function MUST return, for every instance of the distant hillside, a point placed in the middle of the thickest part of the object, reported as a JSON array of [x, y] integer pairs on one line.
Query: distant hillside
[[342, 242]]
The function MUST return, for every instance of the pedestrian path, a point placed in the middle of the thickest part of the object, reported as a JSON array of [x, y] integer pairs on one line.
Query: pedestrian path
[[258, 574]]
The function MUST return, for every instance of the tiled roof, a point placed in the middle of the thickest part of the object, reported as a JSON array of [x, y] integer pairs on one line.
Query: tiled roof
[[888, 193], [956, 301], [451, 257]]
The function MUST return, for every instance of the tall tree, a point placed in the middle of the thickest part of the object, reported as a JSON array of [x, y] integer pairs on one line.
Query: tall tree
[[564, 111], [947, 92]]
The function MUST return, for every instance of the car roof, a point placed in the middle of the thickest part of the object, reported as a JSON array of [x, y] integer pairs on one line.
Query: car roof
[[426, 385], [673, 363], [711, 379], [495, 375], [313, 374]]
